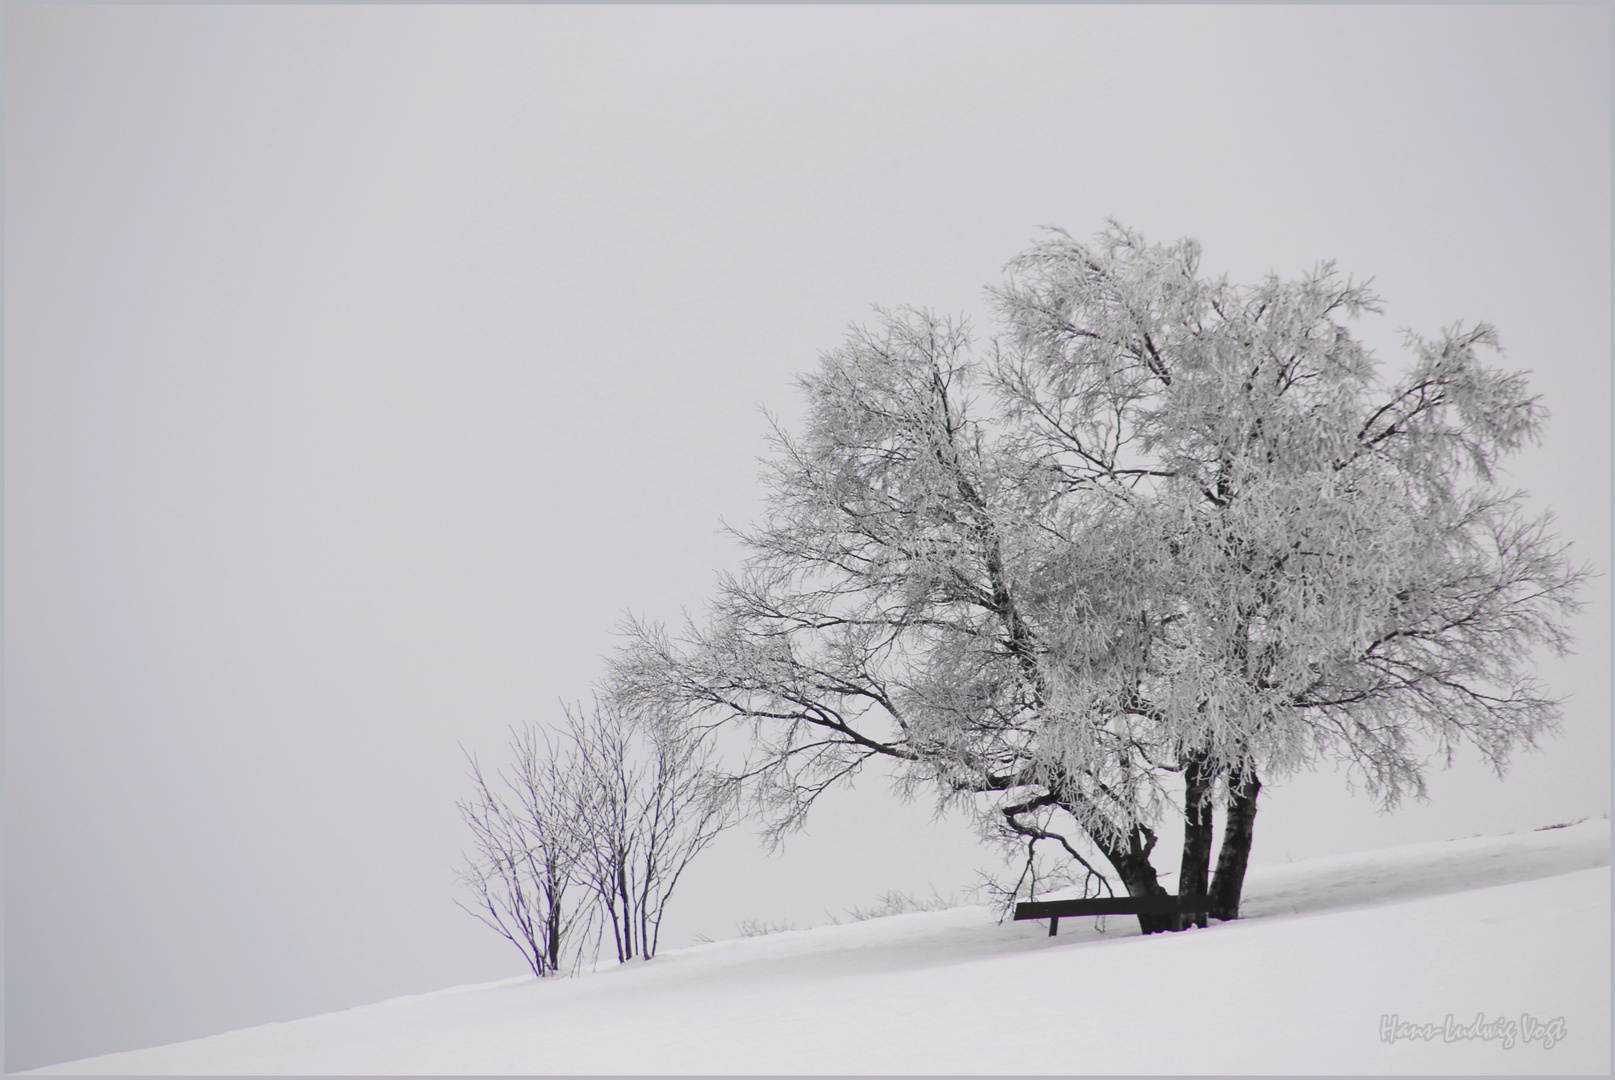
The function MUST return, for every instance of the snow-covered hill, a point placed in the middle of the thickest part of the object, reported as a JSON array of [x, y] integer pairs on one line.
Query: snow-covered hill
[[1336, 955]]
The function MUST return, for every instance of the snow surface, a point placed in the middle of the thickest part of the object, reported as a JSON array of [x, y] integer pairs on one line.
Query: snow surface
[[1512, 928]]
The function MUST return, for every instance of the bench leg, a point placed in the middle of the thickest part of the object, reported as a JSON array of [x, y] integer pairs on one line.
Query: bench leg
[[1054, 925]]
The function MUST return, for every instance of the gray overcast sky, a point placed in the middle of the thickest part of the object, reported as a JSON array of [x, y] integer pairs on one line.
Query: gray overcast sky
[[364, 364]]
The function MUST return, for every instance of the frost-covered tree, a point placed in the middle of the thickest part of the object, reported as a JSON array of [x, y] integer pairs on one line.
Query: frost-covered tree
[[914, 594], [1196, 543], [1338, 569]]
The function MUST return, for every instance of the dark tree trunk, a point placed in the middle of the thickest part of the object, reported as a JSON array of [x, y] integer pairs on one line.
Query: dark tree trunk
[[1132, 865], [554, 942], [627, 951], [1229, 881], [1196, 835], [552, 904]]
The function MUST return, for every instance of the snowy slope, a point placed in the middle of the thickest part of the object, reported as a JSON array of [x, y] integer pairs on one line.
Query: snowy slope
[[1506, 927]]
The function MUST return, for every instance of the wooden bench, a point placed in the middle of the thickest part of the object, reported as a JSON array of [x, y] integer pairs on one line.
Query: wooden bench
[[1054, 910]]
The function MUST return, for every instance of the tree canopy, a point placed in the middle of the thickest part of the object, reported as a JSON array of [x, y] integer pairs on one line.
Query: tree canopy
[[1167, 537]]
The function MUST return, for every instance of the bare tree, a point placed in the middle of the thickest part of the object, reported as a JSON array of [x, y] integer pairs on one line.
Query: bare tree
[[1198, 544], [523, 870], [647, 803], [589, 831]]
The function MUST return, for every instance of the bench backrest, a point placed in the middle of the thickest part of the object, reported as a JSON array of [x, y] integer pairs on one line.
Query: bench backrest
[[1113, 905]]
